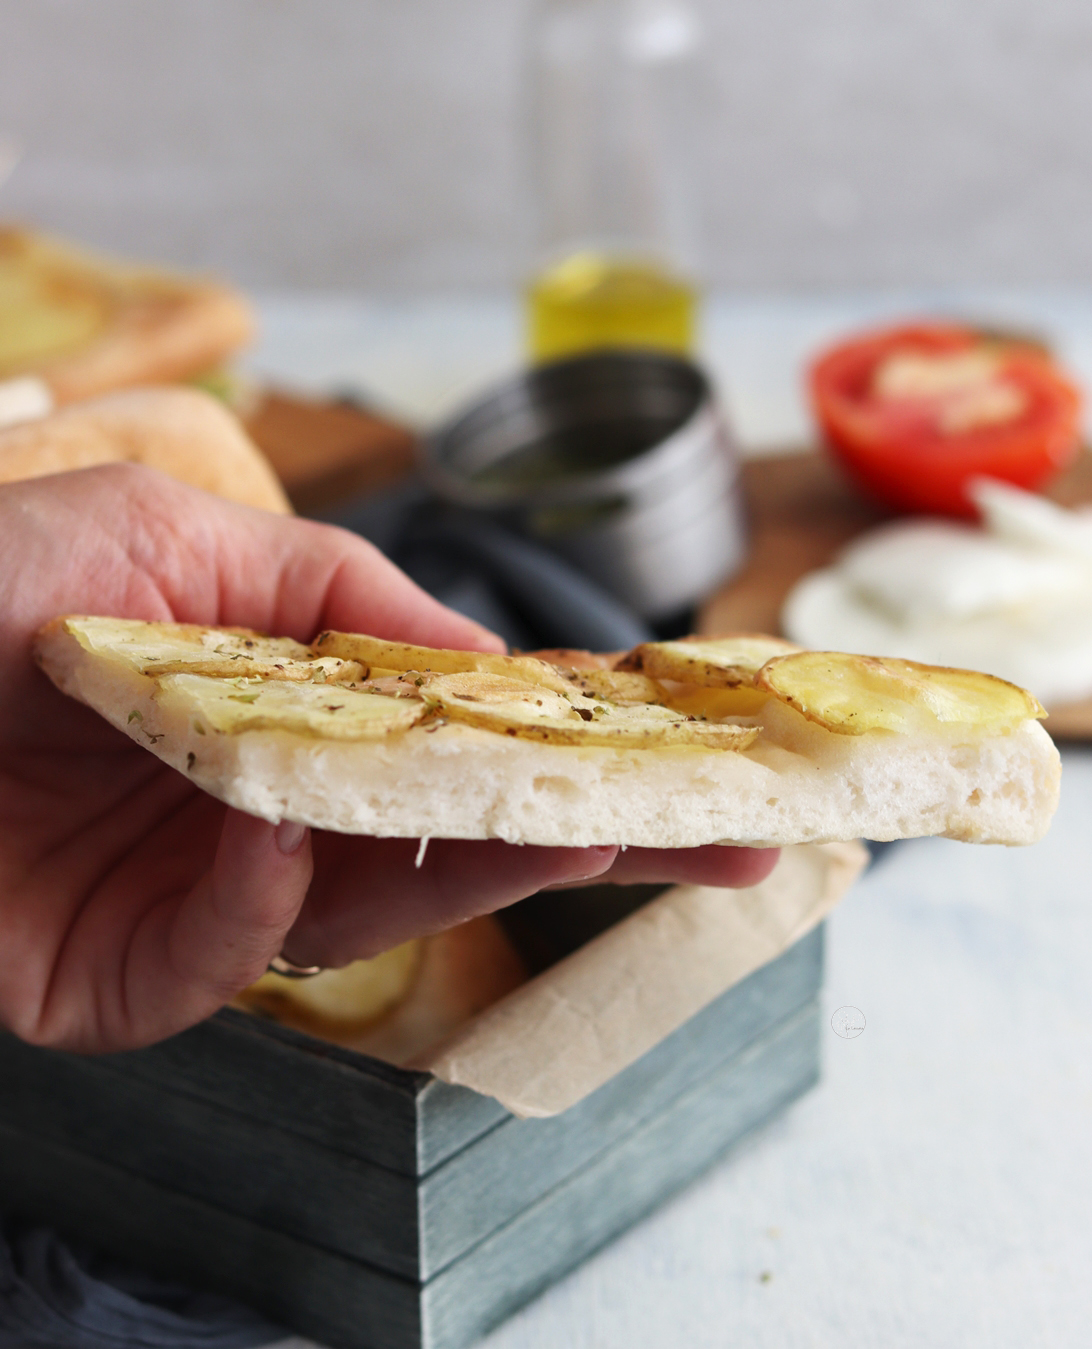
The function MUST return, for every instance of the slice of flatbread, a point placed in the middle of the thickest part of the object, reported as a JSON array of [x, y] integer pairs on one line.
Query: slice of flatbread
[[87, 324], [362, 736]]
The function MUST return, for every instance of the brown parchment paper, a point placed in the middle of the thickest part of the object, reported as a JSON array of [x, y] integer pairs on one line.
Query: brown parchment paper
[[557, 1038]]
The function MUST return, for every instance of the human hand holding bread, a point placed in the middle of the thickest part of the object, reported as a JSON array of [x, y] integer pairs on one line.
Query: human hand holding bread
[[135, 904]]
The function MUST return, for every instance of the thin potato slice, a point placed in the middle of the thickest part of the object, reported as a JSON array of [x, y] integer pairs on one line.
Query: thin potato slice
[[321, 670], [852, 695], [157, 649], [151, 647], [374, 653], [511, 707], [229, 707], [716, 662]]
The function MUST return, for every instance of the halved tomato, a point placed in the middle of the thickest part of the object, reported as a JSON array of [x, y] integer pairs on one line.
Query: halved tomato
[[915, 412]]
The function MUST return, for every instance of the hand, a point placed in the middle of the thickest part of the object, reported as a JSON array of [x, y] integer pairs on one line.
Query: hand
[[132, 905]]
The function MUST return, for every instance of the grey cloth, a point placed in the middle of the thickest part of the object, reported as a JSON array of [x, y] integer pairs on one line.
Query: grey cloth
[[52, 1298], [514, 585]]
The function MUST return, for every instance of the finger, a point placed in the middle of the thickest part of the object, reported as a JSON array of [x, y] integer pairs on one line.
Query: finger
[[714, 865], [369, 895], [320, 576], [128, 540], [370, 594], [191, 956]]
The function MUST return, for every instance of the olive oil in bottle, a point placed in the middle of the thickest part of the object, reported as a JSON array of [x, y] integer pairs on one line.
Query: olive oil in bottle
[[612, 183], [593, 300]]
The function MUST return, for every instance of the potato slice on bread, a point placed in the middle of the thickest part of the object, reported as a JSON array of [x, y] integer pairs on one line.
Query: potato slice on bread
[[853, 695], [733, 740], [710, 662]]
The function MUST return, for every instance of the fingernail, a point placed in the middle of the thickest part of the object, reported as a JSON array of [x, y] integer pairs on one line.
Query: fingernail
[[290, 836], [606, 857]]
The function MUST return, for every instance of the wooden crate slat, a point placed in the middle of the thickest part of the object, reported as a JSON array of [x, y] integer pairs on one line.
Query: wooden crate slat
[[339, 1098], [343, 1100]]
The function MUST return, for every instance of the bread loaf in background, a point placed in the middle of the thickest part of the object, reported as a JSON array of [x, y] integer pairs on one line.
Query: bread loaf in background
[[87, 325], [182, 432]]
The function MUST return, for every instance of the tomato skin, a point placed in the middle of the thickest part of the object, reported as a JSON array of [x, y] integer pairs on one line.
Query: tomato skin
[[903, 459]]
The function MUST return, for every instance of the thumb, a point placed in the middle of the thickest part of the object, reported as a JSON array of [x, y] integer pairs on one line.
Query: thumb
[[224, 933]]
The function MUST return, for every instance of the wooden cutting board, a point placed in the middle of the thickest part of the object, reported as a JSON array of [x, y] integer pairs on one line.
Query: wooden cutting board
[[326, 452], [802, 511]]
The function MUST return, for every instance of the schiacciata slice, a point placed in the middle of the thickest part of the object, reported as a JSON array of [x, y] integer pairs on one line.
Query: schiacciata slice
[[375, 738]]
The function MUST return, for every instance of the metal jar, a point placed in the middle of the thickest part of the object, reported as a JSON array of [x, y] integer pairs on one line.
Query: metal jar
[[620, 461]]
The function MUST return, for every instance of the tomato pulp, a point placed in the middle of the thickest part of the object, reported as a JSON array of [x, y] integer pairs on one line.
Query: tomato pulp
[[915, 412]]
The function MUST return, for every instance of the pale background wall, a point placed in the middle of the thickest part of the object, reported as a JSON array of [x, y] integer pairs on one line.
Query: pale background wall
[[371, 143]]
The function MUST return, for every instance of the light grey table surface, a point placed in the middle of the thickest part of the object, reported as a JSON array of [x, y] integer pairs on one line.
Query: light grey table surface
[[936, 1188]]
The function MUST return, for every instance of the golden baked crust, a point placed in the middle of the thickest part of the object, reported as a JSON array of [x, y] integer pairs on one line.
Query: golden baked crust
[[182, 432], [87, 325]]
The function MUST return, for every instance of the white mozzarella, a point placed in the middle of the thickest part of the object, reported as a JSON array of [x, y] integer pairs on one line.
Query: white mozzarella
[[1013, 599]]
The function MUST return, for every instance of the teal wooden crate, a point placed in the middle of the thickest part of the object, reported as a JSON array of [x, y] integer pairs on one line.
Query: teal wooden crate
[[367, 1206]]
